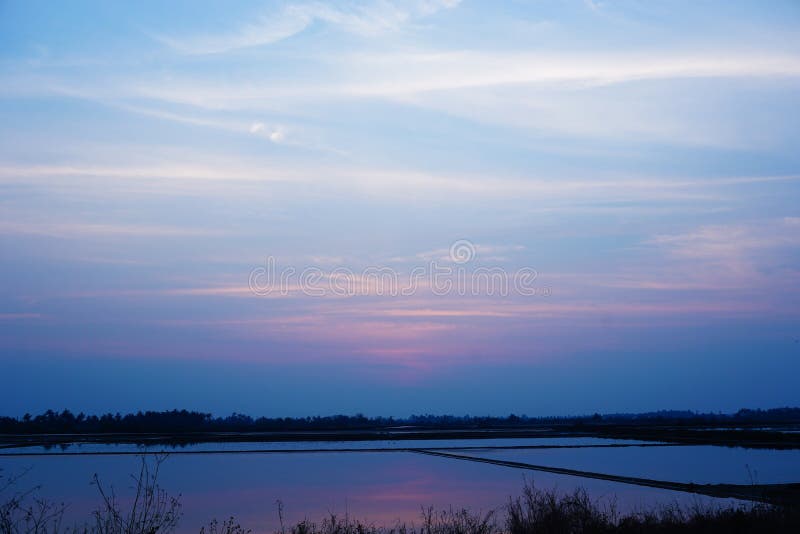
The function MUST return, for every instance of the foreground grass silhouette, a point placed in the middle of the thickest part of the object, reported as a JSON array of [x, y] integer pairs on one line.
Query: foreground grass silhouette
[[151, 510]]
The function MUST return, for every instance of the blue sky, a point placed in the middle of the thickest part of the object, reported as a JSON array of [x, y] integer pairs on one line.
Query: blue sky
[[640, 157]]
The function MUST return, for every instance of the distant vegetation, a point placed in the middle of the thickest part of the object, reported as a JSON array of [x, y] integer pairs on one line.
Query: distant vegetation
[[151, 510], [183, 421]]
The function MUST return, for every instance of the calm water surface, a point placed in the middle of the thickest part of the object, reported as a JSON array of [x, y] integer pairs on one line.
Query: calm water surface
[[701, 464], [327, 445], [381, 487]]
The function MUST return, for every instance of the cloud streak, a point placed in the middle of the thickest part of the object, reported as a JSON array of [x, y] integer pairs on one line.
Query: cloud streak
[[364, 18], [397, 75], [73, 229], [576, 193]]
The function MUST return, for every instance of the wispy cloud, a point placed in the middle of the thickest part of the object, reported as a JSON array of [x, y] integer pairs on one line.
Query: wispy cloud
[[370, 18], [273, 132], [744, 256], [73, 229], [729, 242], [409, 74], [547, 91], [587, 94], [571, 193], [402, 74]]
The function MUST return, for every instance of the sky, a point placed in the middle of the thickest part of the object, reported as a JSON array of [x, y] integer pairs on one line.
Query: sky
[[295, 208]]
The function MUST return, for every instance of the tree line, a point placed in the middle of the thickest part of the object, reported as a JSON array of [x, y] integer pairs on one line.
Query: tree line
[[183, 421]]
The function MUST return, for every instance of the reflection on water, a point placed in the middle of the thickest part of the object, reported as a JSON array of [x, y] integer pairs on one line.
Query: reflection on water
[[379, 487], [701, 464]]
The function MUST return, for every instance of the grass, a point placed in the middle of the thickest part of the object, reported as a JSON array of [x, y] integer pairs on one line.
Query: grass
[[151, 510], [549, 512]]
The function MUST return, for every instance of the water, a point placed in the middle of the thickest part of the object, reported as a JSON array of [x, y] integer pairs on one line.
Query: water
[[700, 464], [384, 487], [78, 447]]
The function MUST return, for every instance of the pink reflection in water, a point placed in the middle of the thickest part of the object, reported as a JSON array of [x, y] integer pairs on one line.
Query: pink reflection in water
[[381, 488]]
